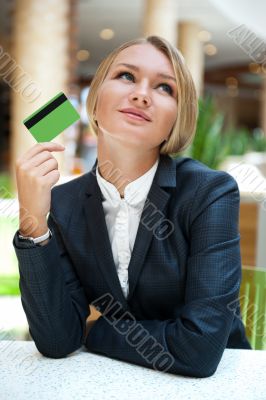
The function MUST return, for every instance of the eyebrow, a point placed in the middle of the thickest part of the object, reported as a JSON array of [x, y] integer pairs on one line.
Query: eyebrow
[[160, 74]]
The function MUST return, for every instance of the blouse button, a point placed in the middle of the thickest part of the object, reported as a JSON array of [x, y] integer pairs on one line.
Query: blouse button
[[122, 211], [120, 222], [123, 260], [120, 228], [121, 218]]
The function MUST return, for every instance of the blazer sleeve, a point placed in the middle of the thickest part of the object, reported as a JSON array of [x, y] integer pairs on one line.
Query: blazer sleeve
[[51, 294], [193, 343]]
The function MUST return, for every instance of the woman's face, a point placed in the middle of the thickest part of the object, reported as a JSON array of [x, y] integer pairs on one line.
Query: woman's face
[[137, 102]]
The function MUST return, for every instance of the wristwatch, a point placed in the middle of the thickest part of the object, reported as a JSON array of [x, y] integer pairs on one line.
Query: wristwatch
[[36, 240]]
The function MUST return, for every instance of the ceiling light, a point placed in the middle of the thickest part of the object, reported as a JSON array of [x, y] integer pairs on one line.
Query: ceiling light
[[204, 36], [83, 55], [231, 82], [210, 49], [254, 68], [107, 34]]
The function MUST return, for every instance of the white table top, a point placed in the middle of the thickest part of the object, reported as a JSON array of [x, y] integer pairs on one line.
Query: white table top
[[25, 374]]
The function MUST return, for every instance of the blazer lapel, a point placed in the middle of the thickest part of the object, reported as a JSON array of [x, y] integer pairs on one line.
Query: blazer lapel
[[100, 240], [149, 220], [152, 213]]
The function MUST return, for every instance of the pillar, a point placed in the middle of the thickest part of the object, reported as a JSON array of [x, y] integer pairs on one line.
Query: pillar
[[191, 47], [160, 18], [263, 105], [40, 51]]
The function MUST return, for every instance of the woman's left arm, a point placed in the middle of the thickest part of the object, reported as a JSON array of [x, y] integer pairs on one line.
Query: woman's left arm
[[192, 344]]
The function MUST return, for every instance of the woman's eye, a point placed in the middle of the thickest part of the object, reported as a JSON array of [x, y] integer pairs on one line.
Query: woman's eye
[[167, 88], [126, 75], [130, 77]]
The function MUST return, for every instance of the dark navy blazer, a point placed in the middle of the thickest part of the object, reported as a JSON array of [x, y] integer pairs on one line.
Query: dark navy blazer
[[184, 273]]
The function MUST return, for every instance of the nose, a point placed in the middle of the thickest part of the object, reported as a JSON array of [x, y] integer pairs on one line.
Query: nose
[[140, 95]]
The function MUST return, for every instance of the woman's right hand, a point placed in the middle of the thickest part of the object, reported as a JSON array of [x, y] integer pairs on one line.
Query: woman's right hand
[[36, 174]]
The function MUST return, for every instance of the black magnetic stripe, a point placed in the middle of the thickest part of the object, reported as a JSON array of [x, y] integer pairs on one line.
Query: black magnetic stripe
[[45, 111]]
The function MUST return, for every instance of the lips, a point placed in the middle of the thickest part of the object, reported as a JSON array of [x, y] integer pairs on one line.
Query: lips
[[138, 113]]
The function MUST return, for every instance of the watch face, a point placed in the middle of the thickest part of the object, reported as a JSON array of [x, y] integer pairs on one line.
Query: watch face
[[27, 240]]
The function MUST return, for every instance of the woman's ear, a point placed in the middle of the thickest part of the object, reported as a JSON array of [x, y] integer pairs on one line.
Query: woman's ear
[[94, 117]]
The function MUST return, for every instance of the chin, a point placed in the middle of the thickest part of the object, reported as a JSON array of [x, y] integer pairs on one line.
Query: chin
[[132, 134]]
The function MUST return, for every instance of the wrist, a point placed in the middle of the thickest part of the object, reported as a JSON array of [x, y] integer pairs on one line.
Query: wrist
[[40, 240], [34, 234], [36, 229]]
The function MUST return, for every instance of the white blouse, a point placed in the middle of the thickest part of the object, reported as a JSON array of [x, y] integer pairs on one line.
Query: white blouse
[[122, 216]]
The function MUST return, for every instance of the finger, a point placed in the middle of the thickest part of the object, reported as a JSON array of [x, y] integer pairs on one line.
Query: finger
[[39, 147], [47, 167], [38, 159], [52, 177]]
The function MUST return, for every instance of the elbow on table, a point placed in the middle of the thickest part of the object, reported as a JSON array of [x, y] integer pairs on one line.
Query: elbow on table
[[52, 347], [55, 353], [200, 366], [204, 372], [57, 350], [192, 371], [195, 372], [206, 362]]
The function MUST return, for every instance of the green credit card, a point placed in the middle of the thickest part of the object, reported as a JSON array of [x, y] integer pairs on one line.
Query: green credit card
[[52, 118]]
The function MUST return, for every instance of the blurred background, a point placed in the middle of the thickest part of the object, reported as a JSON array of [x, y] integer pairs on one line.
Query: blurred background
[[56, 45]]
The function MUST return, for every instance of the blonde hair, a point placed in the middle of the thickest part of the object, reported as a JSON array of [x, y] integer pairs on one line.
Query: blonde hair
[[184, 128]]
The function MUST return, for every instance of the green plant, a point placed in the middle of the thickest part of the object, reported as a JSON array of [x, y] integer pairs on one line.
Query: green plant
[[9, 285], [258, 140], [209, 146], [5, 186], [239, 141]]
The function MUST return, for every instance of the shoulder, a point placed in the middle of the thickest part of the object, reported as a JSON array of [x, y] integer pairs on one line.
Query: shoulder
[[195, 186], [201, 187], [193, 174]]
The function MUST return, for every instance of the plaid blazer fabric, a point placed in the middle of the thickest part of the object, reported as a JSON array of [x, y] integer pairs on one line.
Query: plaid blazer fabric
[[184, 273]]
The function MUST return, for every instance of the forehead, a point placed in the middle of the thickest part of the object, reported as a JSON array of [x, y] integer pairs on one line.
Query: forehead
[[144, 56]]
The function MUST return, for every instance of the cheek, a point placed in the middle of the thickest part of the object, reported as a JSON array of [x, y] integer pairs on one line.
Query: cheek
[[102, 102], [108, 99], [169, 115]]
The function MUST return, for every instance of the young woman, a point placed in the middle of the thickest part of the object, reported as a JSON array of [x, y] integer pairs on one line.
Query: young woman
[[152, 241]]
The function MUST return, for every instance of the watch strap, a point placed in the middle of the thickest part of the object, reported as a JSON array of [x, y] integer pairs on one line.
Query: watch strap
[[38, 239]]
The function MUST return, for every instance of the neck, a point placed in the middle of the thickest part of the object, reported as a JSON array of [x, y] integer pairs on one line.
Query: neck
[[121, 164]]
